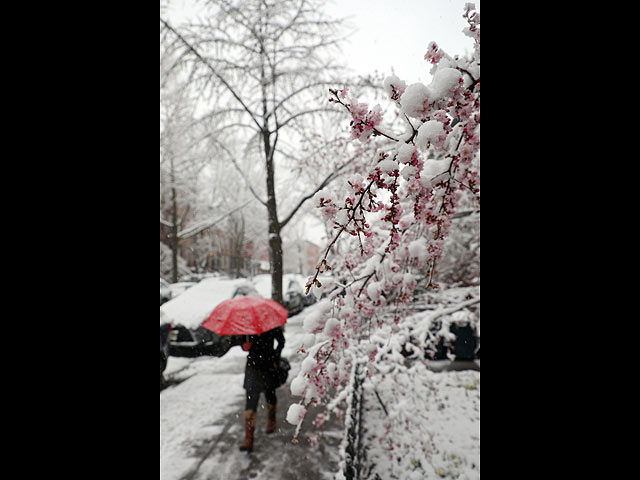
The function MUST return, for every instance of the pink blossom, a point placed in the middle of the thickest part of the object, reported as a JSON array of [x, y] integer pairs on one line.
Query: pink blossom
[[329, 212], [364, 121], [434, 53], [357, 183]]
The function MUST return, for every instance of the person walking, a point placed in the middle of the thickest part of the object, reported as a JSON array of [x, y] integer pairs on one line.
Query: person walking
[[261, 376]]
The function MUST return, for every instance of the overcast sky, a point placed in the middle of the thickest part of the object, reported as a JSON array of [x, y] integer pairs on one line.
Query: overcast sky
[[395, 34], [390, 33]]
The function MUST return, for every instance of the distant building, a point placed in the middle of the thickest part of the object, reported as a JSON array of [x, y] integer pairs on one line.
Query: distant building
[[300, 257], [218, 250]]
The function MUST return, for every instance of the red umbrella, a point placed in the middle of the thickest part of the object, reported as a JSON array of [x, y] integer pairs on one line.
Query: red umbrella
[[246, 316]]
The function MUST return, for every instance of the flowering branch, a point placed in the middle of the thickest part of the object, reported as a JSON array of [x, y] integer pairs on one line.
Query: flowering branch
[[397, 209]]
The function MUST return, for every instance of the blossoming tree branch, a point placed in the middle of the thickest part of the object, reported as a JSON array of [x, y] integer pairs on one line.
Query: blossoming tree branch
[[395, 217]]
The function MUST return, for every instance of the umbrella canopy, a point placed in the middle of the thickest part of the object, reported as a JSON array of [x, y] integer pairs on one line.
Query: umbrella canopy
[[246, 316]]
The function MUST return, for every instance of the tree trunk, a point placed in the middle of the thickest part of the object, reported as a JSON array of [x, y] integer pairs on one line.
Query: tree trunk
[[174, 228], [275, 259], [239, 246], [275, 242]]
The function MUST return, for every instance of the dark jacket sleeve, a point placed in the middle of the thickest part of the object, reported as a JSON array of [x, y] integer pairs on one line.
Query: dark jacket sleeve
[[279, 336]]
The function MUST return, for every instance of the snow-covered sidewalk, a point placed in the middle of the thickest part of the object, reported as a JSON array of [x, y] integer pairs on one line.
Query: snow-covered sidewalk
[[201, 424]]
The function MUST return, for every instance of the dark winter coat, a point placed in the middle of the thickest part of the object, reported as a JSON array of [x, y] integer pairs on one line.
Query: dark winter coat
[[260, 371]]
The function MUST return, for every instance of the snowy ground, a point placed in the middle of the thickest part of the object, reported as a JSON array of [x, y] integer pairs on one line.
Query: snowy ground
[[201, 410], [201, 424], [201, 419]]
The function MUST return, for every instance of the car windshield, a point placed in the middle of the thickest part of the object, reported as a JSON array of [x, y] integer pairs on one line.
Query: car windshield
[[245, 290]]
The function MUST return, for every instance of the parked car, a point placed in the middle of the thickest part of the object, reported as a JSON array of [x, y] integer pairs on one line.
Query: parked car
[[180, 287], [465, 346], [293, 301], [245, 290], [293, 298], [165, 329], [190, 342], [165, 292], [309, 299], [186, 342]]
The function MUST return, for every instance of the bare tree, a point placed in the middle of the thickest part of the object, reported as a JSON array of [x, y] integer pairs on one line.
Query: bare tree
[[178, 167], [193, 191], [264, 66]]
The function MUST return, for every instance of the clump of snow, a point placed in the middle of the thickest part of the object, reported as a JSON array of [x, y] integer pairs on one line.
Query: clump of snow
[[308, 340], [435, 167], [392, 83], [313, 321], [418, 249], [298, 385], [414, 99], [417, 97], [388, 165], [295, 413], [407, 220], [444, 81], [408, 172], [330, 327], [308, 364], [373, 290], [405, 151], [431, 131]]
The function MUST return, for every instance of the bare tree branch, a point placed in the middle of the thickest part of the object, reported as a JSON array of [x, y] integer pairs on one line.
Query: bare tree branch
[[241, 172], [306, 112], [322, 184], [213, 71], [205, 224]]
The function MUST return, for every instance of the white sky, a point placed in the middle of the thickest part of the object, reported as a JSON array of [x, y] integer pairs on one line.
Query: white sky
[[390, 33], [395, 34]]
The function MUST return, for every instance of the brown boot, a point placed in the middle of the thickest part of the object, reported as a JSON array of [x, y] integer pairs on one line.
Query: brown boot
[[249, 428], [271, 419]]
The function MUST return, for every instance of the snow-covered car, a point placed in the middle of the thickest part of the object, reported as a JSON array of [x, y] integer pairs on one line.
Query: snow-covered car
[[165, 329], [460, 341], [293, 301], [245, 290], [293, 298], [190, 309], [180, 287], [198, 342], [309, 299], [165, 291]]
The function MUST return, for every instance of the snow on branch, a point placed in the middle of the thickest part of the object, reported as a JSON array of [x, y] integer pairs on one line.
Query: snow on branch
[[205, 224], [231, 90]]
